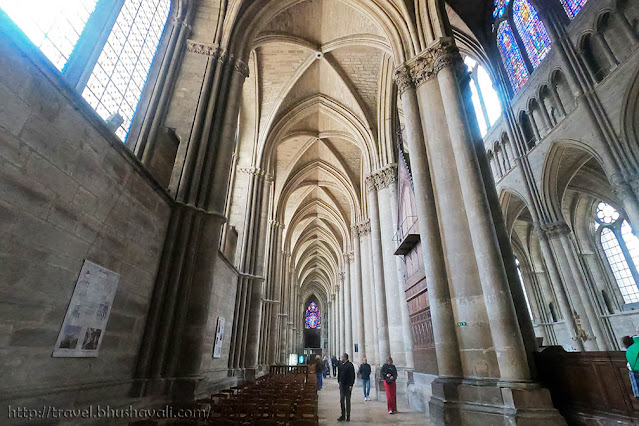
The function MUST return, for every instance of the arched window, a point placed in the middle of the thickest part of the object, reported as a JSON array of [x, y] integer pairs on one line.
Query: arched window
[[53, 26], [103, 48], [312, 317], [532, 31], [485, 98], [621, 249], [511, 56], [573, 7]]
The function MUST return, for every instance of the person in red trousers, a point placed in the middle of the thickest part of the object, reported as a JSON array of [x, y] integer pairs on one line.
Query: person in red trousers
[[389, 373]]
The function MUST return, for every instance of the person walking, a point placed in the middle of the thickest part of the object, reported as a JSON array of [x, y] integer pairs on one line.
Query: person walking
[[334, 363], [389, 373], [319, 367], [326, 366], [365, 373], [345, 378]]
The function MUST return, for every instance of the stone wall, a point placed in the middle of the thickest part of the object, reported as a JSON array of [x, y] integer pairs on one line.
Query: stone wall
[[69, 191]]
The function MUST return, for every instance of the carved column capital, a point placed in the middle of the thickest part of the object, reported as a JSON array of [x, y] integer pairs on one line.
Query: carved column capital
[[212, 50], [556, 229], [425, 66], [371, 184], [386, 176], [403, 79]]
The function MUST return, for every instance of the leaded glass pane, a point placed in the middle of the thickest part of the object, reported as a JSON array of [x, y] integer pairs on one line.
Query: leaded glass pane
[[632, 242], [116, 83], [532, 31], [573, 7], [54, 26], [312, 318], [500, 8], [511, 56], [619, 266]]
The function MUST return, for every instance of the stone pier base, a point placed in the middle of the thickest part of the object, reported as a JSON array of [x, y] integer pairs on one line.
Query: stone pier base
[[482, 402]]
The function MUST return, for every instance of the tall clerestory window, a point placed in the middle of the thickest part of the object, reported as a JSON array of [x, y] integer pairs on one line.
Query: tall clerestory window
[[104, 48], [573, 7], [621, 249], [522, 39], [485, 98], [312, 317]]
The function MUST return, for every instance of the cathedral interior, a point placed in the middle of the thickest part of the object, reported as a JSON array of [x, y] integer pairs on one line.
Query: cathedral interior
[[203, 195]]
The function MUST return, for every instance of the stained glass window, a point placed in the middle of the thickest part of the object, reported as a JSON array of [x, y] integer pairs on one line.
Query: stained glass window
[[117, 80], [54, 26], [500, 8], [312, 318], [532, 31], [511, 56], [573, 7], [621, 248]]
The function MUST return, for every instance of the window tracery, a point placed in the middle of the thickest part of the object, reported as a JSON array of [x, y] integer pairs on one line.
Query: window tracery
[[621, 249]]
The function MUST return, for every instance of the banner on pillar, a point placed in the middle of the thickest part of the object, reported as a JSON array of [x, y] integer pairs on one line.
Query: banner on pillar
[[219, 338]]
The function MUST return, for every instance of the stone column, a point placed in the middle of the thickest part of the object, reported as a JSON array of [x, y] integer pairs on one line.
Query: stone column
[[358, 305], [378, 259], [607, 51], [443, 321], [340, 320], [582, 320], [348, 307], [345, 323], [398, 328], [368, 294], [563, 231], [508, 343]]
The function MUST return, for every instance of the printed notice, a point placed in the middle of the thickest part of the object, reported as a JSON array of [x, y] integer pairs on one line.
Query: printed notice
[[219, 338], [88, 312]]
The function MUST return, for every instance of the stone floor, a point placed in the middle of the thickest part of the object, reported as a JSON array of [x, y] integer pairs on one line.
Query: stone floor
[[363, 413]]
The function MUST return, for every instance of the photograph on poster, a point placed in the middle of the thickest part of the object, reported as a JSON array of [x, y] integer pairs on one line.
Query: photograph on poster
[[88, 312]]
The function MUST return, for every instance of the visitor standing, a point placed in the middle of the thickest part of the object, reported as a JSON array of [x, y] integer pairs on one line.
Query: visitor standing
[[319, 367], [632, 356], [345, 378], [365, 373], [389, 374], [335, 363]]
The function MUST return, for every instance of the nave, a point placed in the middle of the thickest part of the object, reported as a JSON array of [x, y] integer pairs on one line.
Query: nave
[[363, 412]]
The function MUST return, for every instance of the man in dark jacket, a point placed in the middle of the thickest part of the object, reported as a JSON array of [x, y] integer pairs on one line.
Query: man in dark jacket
[[365, 373], [334, 363], [345, 378], [319, 371]]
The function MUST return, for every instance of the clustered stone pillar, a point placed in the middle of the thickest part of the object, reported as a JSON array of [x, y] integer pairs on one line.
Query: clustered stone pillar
[[443, 322], [378, 270], [359, 335], [465, 266], [174, 355]]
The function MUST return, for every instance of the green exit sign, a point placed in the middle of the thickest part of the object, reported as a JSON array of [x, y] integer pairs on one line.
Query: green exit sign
[[462, 324]]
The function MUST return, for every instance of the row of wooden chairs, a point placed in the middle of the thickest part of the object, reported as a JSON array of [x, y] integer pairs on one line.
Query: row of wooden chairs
[[272, 399]]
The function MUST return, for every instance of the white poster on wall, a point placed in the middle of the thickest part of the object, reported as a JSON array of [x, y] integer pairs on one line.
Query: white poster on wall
[[219, 338], [88, 312]]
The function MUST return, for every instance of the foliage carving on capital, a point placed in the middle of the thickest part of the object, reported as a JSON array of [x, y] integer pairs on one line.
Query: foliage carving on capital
[[425, 66], [241, 67], [211, 50], [364, 227], [387, 176], [371, 184], [556, 229], [403, 79]]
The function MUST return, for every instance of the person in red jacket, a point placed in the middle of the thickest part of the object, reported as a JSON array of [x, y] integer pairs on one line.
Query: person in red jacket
[[389, 374]]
